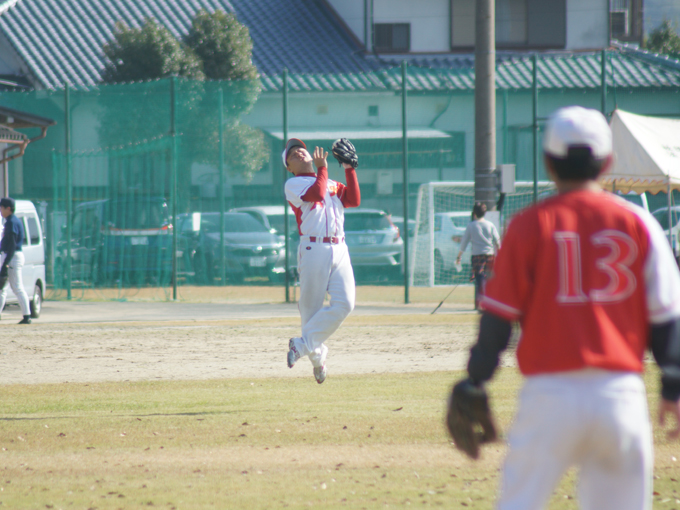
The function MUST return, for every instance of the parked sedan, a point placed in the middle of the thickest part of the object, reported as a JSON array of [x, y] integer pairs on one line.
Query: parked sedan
[[398, 221], [271, 216], [374, 243], [449, 228], [250, 249]]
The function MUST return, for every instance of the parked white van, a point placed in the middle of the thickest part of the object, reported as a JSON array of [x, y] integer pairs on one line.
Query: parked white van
[[34, 253]]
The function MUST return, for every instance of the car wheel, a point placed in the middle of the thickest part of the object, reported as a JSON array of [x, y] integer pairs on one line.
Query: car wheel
[[236, 278], [438, 268], [276, 278], [202, 269], [95, 274], [36, 303]]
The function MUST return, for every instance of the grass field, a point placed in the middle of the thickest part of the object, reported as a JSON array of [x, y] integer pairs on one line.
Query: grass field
[[365, 441]]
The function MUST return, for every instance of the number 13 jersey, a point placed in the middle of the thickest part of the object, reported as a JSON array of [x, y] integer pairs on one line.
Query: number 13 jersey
[[585, 273]]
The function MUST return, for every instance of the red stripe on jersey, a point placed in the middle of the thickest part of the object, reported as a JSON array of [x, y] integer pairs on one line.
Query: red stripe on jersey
[[298, 216], [571, 269]]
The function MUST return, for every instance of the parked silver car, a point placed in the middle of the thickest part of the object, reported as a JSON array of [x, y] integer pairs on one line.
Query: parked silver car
[[375, 244], [250, 249], [449, 228], [271, 216]]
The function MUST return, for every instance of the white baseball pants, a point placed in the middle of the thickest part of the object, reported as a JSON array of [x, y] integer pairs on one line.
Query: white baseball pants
[[323, 267], [14, 273], [593, 419]]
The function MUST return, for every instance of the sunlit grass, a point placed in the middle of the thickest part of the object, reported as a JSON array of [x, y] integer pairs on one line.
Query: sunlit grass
[[354, 442]]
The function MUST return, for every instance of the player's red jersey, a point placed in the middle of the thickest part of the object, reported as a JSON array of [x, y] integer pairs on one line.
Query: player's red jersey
[[585, 273]]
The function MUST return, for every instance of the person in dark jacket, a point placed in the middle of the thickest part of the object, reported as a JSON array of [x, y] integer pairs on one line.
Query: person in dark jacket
[[12, 257]]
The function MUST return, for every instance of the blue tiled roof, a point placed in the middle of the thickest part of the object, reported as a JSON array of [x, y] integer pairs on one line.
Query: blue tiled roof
[[61, 40], [563, 70]]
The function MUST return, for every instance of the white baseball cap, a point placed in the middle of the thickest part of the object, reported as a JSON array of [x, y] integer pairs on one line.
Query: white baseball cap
[[293, 142], [574, 126]]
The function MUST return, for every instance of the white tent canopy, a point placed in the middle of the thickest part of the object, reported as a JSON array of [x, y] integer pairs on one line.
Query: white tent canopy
[[646, 153]]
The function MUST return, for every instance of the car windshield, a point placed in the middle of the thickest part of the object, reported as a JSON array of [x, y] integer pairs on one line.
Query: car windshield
[[233, 223], [137, 214], [662, 217], [461, 221], [276, 222], [366, 221]]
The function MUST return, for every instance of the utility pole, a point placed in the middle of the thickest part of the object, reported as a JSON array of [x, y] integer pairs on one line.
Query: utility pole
[[485, 103]]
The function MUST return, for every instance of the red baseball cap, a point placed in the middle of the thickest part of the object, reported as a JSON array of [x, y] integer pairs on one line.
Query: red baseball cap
[[293, 142]]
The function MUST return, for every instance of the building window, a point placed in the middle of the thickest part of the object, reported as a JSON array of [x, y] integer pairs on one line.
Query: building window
[[619, 18], [511, 23], [519, 24], [392, 37]]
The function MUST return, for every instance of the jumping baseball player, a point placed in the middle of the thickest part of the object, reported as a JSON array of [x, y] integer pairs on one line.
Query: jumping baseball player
[[593, 283], [323, 259], [12, 258]]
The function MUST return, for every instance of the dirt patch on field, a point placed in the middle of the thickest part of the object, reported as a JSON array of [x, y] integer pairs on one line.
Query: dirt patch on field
[[132, 351]]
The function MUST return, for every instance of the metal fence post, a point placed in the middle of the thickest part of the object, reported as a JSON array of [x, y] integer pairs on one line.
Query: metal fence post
[[69, 186], [534, 124], [173, 181], [603, 79], [220, 167], [404, 150], [285, 202]]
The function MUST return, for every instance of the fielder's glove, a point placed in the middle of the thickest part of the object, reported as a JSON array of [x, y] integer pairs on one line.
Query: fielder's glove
[[469, 419], [344, 152]]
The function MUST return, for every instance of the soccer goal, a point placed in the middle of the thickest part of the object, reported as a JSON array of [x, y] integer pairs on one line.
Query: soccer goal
[[443, 211]]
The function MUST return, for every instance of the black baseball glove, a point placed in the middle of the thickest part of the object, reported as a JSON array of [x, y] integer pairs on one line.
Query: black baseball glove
[[469, 419], [344, 152]]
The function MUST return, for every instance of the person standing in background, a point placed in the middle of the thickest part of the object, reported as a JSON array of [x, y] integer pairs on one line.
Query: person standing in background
[[12, 258], [483, 237]]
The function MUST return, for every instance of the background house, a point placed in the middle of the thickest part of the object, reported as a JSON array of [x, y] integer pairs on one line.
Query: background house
[[344, 80]]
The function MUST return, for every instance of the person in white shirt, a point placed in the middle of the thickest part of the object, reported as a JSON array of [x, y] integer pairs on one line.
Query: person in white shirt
[[323, 258], [483, 237]]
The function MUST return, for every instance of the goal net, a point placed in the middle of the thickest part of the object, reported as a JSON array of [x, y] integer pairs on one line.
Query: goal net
[[443, 211]]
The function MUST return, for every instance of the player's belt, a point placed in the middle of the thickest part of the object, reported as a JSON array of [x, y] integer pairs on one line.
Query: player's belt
[[330, 240]]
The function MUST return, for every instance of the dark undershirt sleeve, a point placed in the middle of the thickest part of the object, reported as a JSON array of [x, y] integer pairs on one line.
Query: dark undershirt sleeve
[[664, 341], [9, 244], [493, 339]]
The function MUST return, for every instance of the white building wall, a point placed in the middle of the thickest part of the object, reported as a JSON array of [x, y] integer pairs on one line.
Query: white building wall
[[352, 13], [429, 21], [587, 24]]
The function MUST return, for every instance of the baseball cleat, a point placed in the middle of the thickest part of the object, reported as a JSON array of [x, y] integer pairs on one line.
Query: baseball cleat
[[320, 373], [293, 354]]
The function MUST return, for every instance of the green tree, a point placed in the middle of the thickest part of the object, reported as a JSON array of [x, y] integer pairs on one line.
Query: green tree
[[218, 48], [147, 53], [664, 39], [223, 45]]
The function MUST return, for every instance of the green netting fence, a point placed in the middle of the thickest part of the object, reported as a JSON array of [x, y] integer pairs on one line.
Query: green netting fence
[[169, 187]]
